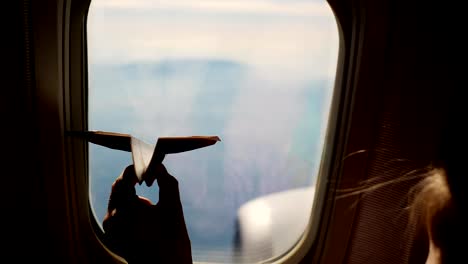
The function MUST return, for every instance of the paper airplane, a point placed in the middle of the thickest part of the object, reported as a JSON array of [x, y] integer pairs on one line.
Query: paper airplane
[[145, 155]]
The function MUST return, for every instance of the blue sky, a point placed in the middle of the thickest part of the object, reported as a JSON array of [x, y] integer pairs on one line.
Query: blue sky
[[257, 73]]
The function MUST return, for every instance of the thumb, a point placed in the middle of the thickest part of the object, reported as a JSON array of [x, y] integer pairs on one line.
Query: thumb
[[168, 186], [163, 177]]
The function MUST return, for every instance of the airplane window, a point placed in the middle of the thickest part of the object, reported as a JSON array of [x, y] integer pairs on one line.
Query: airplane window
[[257, 73]]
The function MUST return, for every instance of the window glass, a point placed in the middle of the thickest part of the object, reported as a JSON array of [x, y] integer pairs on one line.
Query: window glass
[[257, 73]]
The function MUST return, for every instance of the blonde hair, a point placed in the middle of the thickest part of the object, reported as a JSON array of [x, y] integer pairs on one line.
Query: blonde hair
[[433, 206]]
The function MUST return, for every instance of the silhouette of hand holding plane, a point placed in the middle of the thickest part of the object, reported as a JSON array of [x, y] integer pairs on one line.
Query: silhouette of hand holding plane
[[142, 232]]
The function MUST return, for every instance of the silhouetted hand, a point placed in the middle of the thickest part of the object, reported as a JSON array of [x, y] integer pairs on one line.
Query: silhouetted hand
[[141, 232]]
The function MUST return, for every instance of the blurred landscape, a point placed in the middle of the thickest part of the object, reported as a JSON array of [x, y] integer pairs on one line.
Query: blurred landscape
[[261, 81]]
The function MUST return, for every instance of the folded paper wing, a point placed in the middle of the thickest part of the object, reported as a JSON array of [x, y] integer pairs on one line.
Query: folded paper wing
[[142, 154], [145, 156]]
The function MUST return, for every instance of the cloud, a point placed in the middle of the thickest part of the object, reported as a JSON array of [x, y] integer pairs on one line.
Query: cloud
[[294, 45], [150, 75], [296, 8], [259, 123]]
